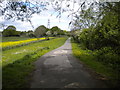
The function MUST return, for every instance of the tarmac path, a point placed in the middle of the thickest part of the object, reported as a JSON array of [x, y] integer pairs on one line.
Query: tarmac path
[[60, 69]]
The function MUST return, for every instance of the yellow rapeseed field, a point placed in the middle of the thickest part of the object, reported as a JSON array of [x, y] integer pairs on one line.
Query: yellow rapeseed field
[[14, 43]]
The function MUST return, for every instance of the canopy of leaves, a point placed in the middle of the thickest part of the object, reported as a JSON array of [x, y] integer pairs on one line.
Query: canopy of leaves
[[99, 31], [11, 27], [24, 9], [10, 31], [103, 28], [40, 31]]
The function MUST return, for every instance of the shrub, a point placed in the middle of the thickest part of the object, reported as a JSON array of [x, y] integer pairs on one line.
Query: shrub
[[108, 56]]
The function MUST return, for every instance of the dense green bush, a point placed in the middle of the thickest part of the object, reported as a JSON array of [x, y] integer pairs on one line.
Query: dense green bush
[[108, 57], [104, 37]]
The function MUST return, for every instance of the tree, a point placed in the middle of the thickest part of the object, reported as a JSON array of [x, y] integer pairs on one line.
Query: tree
[[30, 33], [55, 30], [24, 9], [99, 28], [21, 10], [10, 31], [11, 27], [48, 33], [23, 34], [40, 31]]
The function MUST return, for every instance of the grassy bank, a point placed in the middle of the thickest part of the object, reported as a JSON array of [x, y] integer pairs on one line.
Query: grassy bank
[[13, 44], [109, 75], [11, 55], [18, 67]]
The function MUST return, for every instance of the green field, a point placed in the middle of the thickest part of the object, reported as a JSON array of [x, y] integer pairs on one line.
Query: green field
[[7, 39], [13, 44], [18, 62], [9, 56]]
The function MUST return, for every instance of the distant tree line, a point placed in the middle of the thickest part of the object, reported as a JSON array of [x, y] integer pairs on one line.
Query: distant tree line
[[40, 31]]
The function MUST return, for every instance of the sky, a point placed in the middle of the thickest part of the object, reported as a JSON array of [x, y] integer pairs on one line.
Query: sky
[[42, 19]]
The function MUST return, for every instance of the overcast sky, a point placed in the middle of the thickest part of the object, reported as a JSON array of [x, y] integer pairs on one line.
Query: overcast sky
[[42, 19]]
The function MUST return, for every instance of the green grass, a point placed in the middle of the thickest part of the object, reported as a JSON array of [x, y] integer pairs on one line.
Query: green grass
[[18, 67], [23, 44], [11, 55], [88, 58], [7, 39]]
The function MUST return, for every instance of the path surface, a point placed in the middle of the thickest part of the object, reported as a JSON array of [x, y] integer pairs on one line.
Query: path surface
[[60, 69]]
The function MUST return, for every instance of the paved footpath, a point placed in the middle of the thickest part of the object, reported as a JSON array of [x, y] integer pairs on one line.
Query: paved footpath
[[60, 69]]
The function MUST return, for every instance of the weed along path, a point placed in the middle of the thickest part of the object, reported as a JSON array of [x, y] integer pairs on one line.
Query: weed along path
[[60, 69]]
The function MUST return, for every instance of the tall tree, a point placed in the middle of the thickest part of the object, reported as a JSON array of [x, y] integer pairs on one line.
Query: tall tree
[[40, 31], [10, 31]]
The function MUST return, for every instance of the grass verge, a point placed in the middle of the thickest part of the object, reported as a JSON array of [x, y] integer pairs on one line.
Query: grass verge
[[15, 73], [106, 73]]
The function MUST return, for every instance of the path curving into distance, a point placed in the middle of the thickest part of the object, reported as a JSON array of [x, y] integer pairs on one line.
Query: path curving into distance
[[60, 69]]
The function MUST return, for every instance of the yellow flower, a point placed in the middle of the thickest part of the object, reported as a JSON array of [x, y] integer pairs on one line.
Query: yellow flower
[[14, 43]]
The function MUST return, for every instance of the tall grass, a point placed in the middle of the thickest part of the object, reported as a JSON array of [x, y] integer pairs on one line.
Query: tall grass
[[19, 66]]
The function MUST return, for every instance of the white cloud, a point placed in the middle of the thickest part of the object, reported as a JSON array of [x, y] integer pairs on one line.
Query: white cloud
[[38, 20], [42, 19]]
